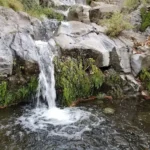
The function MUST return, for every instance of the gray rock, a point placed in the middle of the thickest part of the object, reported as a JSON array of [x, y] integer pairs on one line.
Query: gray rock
[[139, 62], [102, 11], [6, 56], [24, 46], [44, 30], [135, 18], [147, 31], [76, 38], [79, 13], [120, 58]]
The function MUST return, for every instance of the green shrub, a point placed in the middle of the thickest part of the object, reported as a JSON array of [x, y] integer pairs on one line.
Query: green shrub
[[74, 80], [145, 15], [116, 24]]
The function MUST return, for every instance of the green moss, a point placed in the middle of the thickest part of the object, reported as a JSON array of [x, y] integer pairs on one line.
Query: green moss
[[145, 19], [77, 78], [11, 96]]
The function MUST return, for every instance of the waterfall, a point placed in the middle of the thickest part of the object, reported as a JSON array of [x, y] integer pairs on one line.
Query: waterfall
[[46, 86], [56, 121]]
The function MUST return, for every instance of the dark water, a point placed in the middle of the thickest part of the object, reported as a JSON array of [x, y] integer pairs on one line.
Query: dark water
[[127, 129]]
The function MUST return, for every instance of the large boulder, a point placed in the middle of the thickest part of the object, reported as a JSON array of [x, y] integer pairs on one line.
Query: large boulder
[[120, 57], [76, 38], [102, 11]]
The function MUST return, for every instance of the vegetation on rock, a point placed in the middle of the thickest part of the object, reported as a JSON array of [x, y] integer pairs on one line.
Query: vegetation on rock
[[20, 85], [77, 78], [116, 24], [36, 10], [32, 8], [9, 96]]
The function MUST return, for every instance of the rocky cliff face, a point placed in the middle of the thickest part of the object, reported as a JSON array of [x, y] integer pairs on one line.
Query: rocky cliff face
[[78, 36]]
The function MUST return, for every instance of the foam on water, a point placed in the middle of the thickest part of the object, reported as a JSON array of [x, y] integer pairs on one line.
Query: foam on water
[[68, 122]]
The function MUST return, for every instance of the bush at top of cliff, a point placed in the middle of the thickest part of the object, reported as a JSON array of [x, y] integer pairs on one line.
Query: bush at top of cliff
[[145, 15], [14, 4], [116, 24]]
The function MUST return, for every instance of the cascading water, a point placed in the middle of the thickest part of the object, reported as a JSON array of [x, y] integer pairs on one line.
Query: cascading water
[[46, 114], [46, 87]]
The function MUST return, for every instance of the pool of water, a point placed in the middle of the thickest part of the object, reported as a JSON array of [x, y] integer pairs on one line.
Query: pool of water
[[26, 128]]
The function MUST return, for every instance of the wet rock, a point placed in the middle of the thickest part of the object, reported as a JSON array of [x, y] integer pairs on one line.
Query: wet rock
[[144, 117], [109, 111]]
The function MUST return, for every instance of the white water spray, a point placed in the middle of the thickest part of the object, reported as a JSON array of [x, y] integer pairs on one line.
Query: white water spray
[[68, 122]]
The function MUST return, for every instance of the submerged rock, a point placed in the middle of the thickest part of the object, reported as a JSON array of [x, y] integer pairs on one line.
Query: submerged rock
[[109, 111], [144, 117]]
